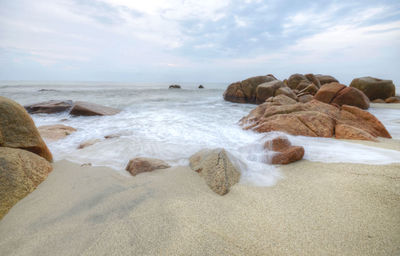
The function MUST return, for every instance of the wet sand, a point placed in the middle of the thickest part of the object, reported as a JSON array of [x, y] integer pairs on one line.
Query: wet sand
[[316, 209]]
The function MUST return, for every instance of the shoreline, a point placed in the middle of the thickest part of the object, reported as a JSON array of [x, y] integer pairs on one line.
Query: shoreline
[[317, 208]]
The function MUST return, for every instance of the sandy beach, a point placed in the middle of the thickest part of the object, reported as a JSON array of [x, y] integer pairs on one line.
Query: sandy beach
[[316, 209]]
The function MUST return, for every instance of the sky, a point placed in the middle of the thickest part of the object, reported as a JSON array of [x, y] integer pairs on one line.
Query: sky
[[197, 41]]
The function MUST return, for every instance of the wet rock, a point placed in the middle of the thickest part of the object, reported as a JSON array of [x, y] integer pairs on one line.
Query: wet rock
[[285, 152], [20, 173], [267, 90], [17, 129], [216, 168], [277, 144], [378, 101], [143, 164], [335, 93], [201, 87], [395, 99], [81, 108], [286, 91], [49, 107], [374, 88], [174, 86], [88, 143], [55, 132]]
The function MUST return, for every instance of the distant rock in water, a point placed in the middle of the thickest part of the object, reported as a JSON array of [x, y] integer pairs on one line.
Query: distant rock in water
[[88, 143], [174, 86], [55, 132], [395, 99], [143, 164], [48, 107], [374, 88], [47, 90], [285, 153], [201, 87], [81, 108], [216, 168], [335, 93]]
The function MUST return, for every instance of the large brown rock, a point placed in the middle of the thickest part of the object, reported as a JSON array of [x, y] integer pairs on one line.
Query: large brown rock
[[216, 168], [267, 90], [285, 153], [395, 99], [374, 88], [335, 93], [281, 100], [286, 91], [20, 173], [145, 164], [245, 91], [82, 108], [48, 107], [17, 129], [300, 82], [296, 79], [55, 132]]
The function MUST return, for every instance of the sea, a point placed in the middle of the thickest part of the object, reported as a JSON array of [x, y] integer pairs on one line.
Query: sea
[[173, 124]]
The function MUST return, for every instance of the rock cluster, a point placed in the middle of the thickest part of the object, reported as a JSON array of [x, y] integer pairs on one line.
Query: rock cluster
[[285, 153]]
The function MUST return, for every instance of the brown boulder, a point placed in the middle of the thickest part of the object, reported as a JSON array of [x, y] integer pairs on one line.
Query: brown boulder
[[216, 168], [285, 152], [48, 107], [378, 101], [245, 91], [286, 91], [374, 88], [17, 129], [305, 98], [295, 79], [328, 92], [309, 89], [82, 108], [277, 144], [267, 90], [143, 164], [339, 94], [20, 173], [343, 131], [326, 79], [55, 132], [395, 99], [313, 79], [88, 143], [281, 100]]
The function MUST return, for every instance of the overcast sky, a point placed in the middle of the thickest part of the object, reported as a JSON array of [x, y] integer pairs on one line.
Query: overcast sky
[[197, 40]]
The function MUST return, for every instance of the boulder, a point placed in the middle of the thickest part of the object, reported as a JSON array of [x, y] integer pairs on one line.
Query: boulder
[[82, 108], [344, 131], [305, 98], [143, 164], [267, 90], [216, 168], [17, 129], [88, 143], [326, 79], [174, 86], [335, 93], [55, 132], [313, 79], [374, 88], [277, 144], [309, 89], [285, 153], [286, 91], [20, 173], [245, 91], [395, 99], [49, 107], [281, 100], [201, 87], [378, 101]]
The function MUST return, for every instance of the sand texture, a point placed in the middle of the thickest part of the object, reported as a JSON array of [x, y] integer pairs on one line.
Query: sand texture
[[316, 209]]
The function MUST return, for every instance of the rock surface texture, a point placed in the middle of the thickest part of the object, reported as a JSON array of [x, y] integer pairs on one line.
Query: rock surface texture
[[216, 168], [374, 88], [17, 129], [142, 164]]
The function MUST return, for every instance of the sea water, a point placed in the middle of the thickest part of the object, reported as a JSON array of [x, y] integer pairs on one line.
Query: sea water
[[173, 124]]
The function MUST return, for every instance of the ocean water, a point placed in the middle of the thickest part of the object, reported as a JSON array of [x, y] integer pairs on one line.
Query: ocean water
[[173, 124]]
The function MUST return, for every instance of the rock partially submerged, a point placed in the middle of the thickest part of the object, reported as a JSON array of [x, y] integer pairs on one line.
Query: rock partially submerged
[[174, 86], [17, 129], [374, 88], [201, 87], [216, 168], [88, 143], [285, 153], [49, 107], [55, 132], [81, 108], [20, 173], [144, 164]]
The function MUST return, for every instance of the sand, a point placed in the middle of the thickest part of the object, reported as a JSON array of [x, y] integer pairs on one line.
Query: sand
[[316, 209]]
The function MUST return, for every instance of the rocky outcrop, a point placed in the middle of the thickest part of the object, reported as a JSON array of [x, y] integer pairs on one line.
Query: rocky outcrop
[[374, 88], [281, 100], [216, 168], [303, 82], [20, 173], [245, 91], [267, 90], [81, 108], [284, 153], [326, 79], [174, 86], [315, 119], [142, 164], [201, 87], [335, 93], [49, 107], [55, 132], [17, 129], [305, 98]]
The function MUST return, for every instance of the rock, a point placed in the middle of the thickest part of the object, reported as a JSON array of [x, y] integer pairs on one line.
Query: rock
[[55, 132], [112, 136], [86, 164], [281, 100], [245, 91], [326, 79], [295, 79], [310, 89], [267, 90], [305, 98], [48, 107], [395, 99], [216, 168], [88, 143], [174, 86], [20, 173], [142, 164], [17, 129], [201, 87], [378, 101], [374, 88], [82, 108], [313, 79], [343, 131], [335, 93], [277, 144], [286, 91], [290, 155]]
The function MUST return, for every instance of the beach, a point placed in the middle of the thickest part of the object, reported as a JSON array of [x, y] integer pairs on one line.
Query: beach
[[315, 209]]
